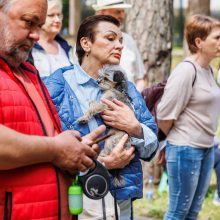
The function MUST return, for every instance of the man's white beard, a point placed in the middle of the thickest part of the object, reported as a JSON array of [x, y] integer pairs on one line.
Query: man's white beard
[[13, 55]]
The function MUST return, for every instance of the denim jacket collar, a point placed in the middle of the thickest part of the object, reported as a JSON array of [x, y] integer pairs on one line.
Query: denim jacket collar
[[82, 77]]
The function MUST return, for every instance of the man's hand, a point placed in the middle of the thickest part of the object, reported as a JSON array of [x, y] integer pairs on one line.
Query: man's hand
[[90, 138], [64, 150], [119, 156], [72, 155]]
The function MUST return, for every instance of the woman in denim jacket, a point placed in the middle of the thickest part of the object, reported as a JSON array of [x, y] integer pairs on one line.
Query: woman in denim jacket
[[72, 88]]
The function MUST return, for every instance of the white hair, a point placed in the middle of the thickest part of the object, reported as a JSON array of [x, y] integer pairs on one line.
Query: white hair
[[5, 4], [52, 3]]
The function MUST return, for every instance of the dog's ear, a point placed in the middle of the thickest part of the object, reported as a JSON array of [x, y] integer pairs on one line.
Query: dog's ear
[[121, 81], [118, 76]]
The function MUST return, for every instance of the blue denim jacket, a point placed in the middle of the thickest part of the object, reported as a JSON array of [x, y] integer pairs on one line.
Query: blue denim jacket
[[69, 110]]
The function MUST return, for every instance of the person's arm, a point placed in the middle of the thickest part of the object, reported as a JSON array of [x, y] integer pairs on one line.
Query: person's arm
[[139, 69], [177, 94], [138, 64], [148, 144], [165, 125], [64, 150], [140, 84], [17, 149]]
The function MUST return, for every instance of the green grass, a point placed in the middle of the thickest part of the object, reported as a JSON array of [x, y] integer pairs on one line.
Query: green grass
[[155, 208]]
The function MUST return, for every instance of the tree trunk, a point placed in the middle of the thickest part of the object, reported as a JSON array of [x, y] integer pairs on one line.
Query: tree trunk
[[198, 7], [74, 18], [150, 23]]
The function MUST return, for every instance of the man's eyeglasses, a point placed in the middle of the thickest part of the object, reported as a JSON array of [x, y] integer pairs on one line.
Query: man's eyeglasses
[[52, 16]]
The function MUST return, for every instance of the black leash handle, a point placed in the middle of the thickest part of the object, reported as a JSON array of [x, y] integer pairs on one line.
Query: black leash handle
[[104, 208]]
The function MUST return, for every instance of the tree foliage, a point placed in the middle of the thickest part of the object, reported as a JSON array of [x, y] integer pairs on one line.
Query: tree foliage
[[65, 13]]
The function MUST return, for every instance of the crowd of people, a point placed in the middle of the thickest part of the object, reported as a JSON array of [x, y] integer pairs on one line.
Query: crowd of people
[[44, 92]]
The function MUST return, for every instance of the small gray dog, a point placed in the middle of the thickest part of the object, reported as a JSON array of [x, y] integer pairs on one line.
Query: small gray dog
[[112, 80]]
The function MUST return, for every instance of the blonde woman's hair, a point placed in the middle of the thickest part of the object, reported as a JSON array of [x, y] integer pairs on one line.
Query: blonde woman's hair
[[58, 3], [199, 26]]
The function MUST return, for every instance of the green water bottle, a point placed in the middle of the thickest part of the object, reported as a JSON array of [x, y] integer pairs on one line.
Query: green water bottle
[[75, 197]]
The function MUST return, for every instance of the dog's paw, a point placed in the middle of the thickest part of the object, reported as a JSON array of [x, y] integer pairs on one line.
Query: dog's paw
[[82, 120], [119, 181]]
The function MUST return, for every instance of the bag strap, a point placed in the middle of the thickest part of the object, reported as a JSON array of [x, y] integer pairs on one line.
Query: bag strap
[[104, 208], [187, 61], [116, 208]]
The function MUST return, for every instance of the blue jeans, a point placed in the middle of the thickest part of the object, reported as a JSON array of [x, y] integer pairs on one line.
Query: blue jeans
[[217, 169], [189, 173]]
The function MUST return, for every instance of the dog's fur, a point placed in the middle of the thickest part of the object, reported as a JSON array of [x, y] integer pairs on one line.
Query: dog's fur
[[112, 80]]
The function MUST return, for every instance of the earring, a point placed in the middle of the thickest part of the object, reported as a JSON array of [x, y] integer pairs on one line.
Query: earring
[[87, 52]]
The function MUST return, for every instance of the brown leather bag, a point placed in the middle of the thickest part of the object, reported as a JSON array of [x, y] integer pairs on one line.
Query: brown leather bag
[[152, 97]]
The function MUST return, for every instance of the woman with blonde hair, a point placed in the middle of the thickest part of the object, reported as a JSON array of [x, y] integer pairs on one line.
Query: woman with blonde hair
[[51, 52], [188, 114]]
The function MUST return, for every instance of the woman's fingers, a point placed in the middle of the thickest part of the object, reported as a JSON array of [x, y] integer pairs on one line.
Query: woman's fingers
[[119, 103], [109, 103], [161, 158], [119, 147], [106, 116]]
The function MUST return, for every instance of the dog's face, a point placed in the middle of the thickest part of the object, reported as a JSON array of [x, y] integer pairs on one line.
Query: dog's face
[[105, 82], [112, 79]]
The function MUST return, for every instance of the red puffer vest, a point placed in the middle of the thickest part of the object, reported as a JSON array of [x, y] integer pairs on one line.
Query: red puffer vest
[[37, 191]]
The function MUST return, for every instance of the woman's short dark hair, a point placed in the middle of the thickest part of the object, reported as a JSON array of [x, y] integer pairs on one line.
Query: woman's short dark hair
[[199, 26], [87, 28]]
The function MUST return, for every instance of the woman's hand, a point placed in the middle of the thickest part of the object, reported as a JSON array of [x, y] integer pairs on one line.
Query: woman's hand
[[119, 156], [120, 116], [161, 157]]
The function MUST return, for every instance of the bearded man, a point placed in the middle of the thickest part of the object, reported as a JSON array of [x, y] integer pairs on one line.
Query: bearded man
[[35, 154]]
